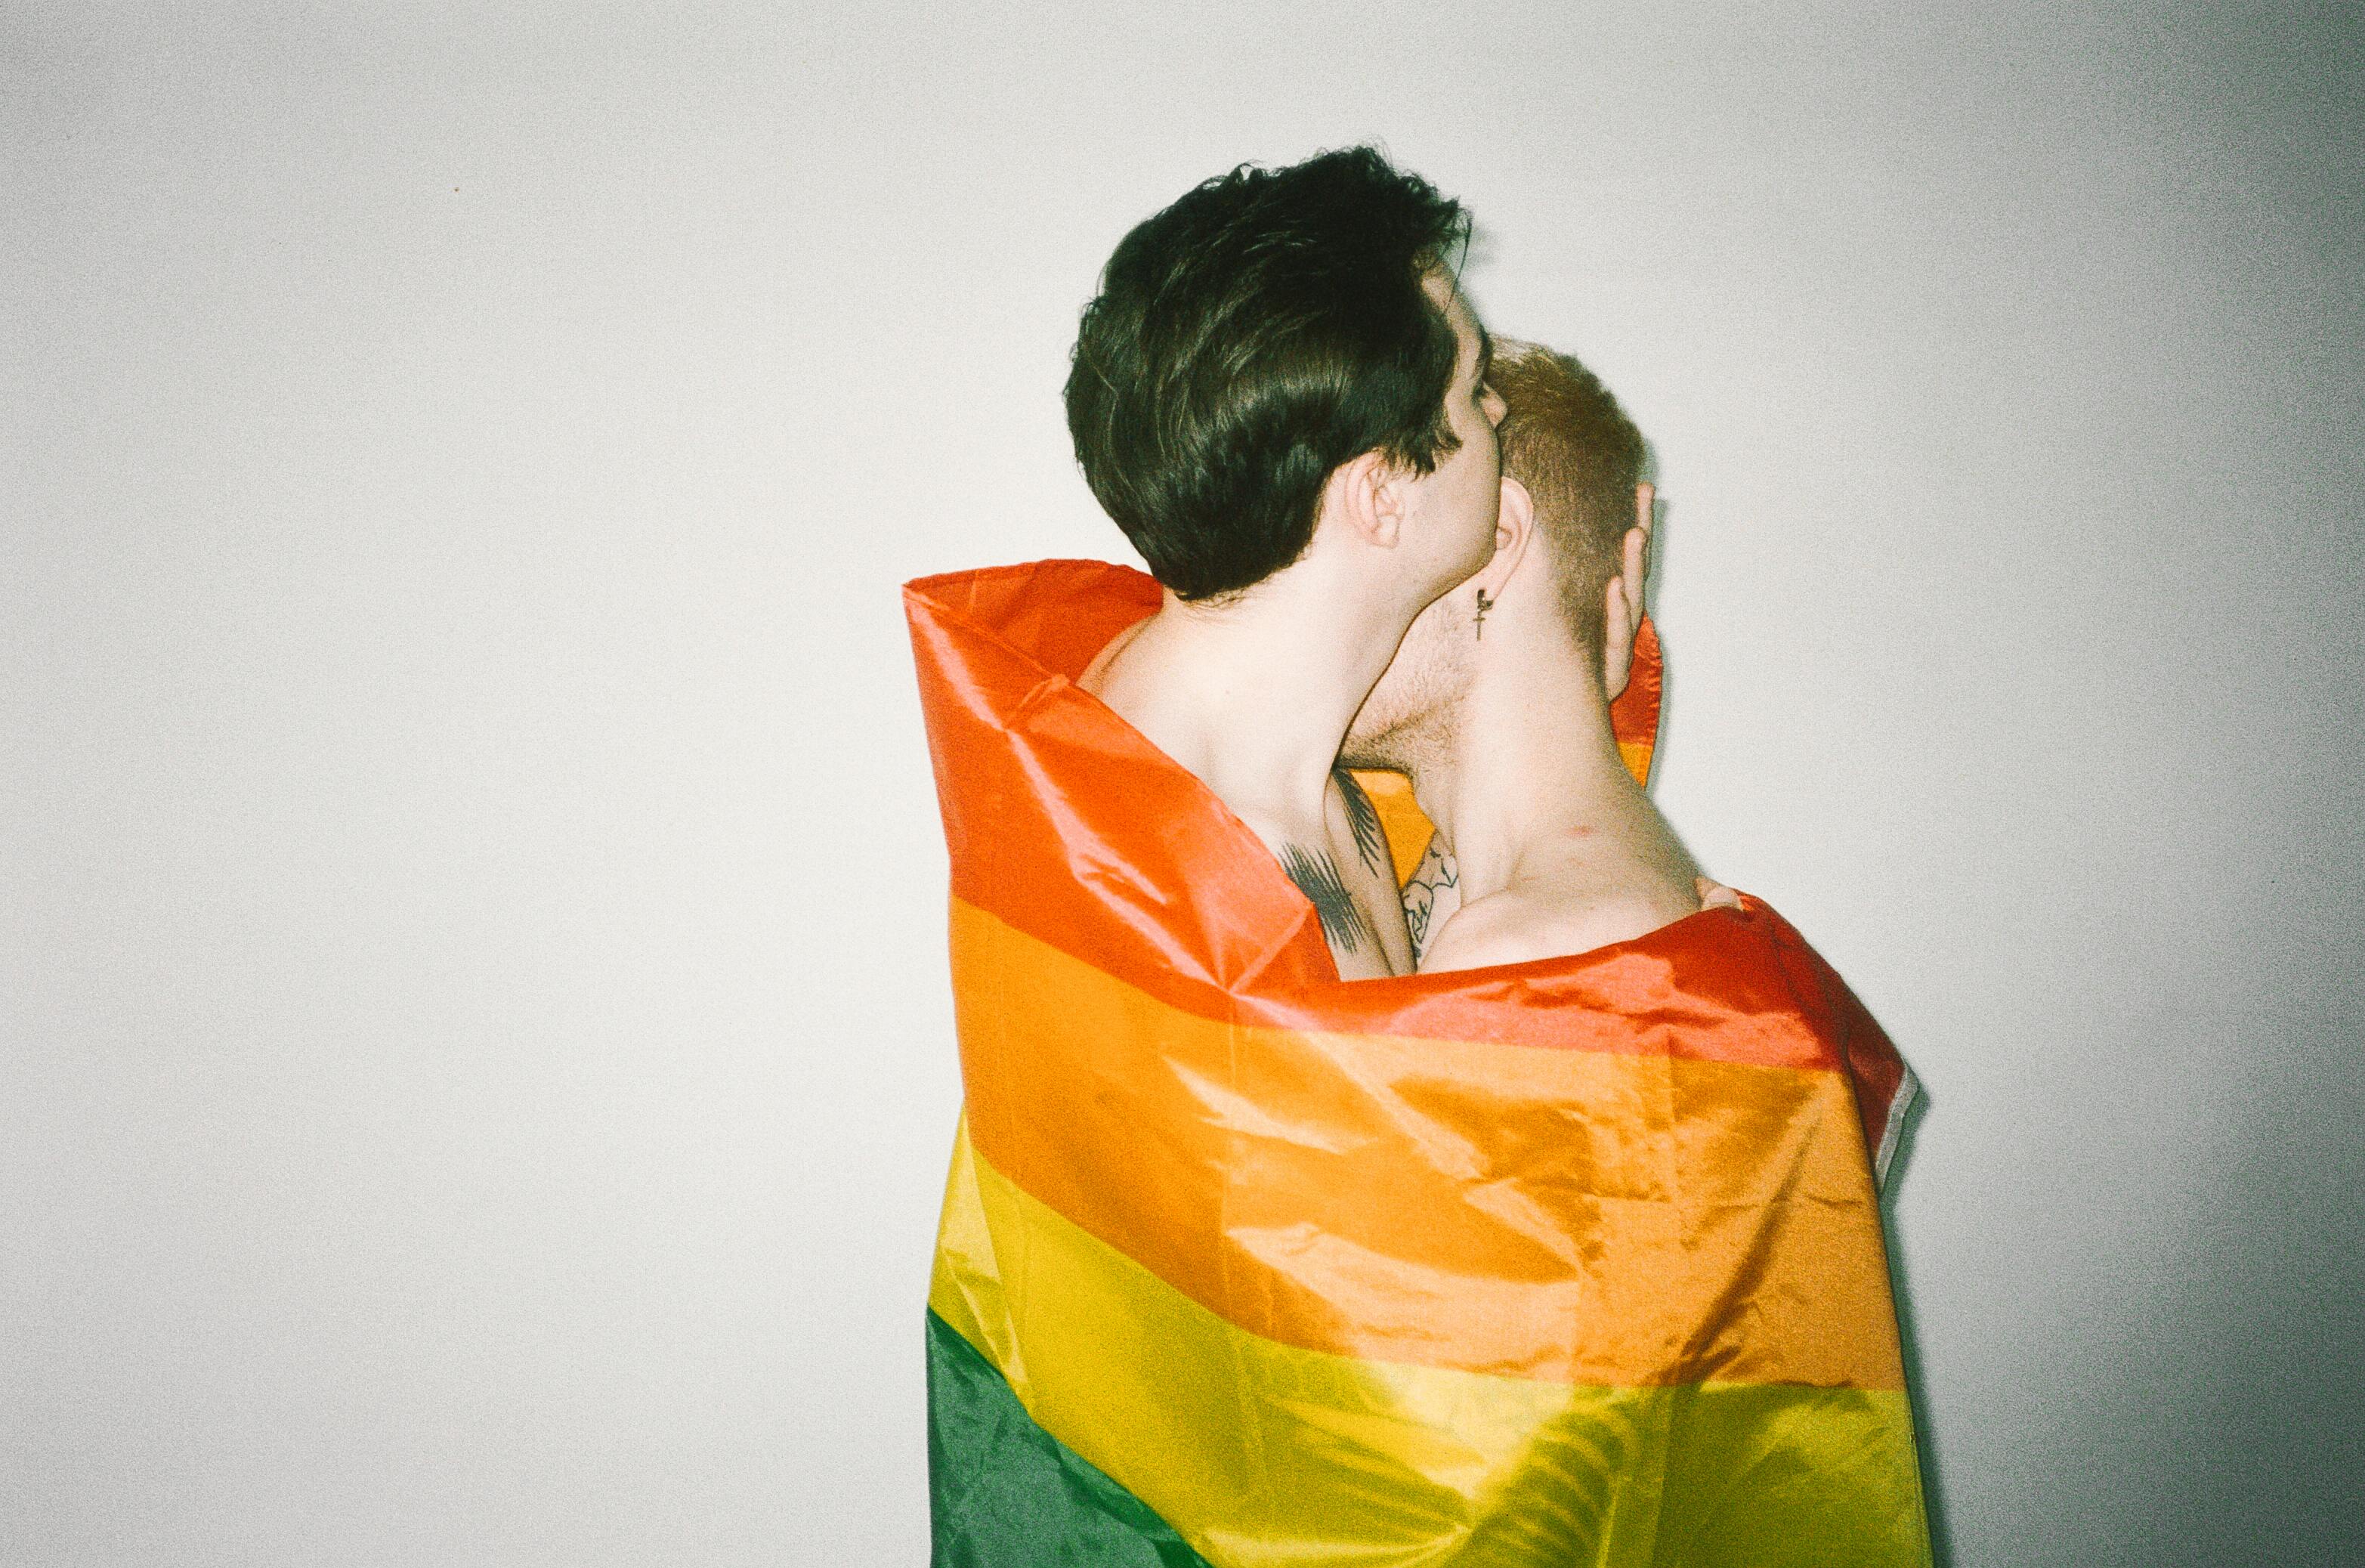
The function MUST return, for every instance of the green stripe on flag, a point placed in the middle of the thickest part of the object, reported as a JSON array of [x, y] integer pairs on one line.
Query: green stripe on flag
[[1003, 1493]]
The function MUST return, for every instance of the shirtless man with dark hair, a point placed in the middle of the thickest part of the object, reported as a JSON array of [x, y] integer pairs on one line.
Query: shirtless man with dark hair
[[1281, 396]]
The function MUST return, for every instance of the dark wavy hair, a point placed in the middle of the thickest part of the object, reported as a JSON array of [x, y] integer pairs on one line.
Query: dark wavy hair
[[1249, 340]]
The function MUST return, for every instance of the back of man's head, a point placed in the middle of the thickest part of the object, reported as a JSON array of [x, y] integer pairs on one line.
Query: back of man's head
[[1267, 328], [1565, 437]]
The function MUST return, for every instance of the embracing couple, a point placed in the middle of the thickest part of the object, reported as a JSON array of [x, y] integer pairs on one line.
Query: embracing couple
[[1385, 541], [1493, 1189]]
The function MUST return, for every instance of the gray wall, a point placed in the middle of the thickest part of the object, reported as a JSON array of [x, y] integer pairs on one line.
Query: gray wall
[[477, 1074]]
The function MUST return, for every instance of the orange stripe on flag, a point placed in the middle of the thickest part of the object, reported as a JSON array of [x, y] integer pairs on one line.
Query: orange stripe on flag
[[1578, 1215]]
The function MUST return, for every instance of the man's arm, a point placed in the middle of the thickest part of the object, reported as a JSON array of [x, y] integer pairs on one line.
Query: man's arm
[[1317, 876], [1359, 879]]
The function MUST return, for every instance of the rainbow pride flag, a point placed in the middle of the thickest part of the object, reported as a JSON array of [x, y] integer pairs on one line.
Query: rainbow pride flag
[[1567, 1262]]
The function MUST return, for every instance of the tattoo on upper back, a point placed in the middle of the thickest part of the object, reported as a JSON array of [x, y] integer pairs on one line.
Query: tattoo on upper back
[[1363, 819], [1317, 876]]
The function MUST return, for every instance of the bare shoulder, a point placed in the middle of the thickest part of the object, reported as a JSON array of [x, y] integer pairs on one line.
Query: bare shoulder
[[1095, 677], [1523, 926], [1494, 930]]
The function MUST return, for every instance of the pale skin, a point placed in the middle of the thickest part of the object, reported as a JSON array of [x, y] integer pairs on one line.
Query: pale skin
[[1546, 846], [1253, 694]]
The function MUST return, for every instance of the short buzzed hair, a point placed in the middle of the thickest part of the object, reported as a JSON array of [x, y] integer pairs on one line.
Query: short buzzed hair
[[1565, 437]]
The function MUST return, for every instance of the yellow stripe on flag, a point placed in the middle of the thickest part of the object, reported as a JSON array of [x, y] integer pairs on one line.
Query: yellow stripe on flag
[[1262, 1454]]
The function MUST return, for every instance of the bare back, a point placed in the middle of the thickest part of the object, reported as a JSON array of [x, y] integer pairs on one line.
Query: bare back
[[1579, 888]]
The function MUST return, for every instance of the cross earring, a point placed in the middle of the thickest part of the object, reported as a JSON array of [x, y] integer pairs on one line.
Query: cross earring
[[1484, 604]]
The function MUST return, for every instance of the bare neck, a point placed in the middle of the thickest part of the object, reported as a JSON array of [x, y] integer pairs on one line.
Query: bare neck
[[1254, 696], [1530, 785]]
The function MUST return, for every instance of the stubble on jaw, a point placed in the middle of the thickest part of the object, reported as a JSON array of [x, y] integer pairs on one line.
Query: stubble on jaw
[[1408, 721]]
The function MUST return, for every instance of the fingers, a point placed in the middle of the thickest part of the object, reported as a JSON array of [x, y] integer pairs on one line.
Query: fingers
[[1715, 894], [1630, 579], [1646, 501], [1618, 639]]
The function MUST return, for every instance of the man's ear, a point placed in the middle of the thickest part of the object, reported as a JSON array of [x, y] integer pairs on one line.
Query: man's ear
[[1515, 530], [1621, 616], [1367, 494]]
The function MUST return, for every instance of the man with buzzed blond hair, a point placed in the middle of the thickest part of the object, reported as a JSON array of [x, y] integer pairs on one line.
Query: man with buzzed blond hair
[[1497, 704]]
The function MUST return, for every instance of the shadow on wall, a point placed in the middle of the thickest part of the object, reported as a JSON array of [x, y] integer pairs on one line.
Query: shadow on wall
[[1924, 1420], [2217, 1419], [2228, 1422], [1654, 573]]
